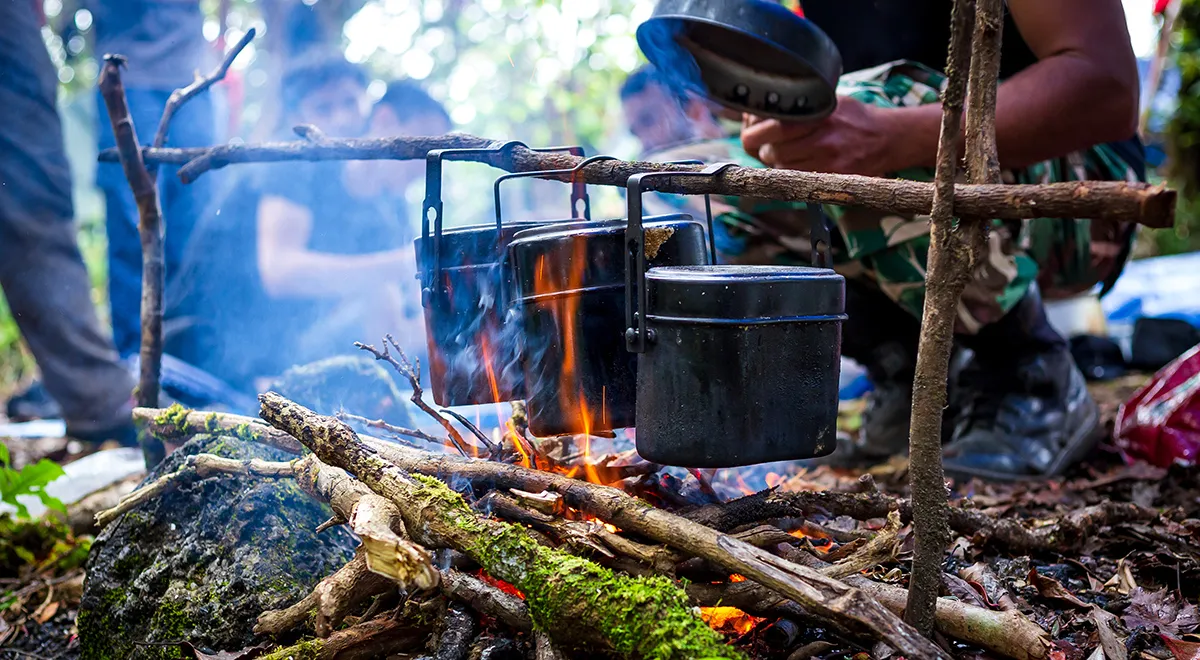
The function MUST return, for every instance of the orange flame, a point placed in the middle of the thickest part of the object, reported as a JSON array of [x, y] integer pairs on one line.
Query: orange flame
[[566, 314], [737, 578], [500, 584], [728, 620]]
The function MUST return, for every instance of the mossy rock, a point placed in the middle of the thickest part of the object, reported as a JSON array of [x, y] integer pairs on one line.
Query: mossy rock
[[201, 563], [357, 384]]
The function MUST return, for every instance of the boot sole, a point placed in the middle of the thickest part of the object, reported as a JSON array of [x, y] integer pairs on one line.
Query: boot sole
[[1086, 437]]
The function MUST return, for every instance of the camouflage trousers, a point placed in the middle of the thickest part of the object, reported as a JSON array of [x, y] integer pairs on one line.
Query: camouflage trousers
[[1064, 256]]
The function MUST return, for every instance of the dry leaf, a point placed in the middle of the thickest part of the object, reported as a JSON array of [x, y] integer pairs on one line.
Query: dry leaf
[[46, 612], [1050, 588], [1113, 648], [1182, 649], [243, 654], [1161, 609], [1122, 581]]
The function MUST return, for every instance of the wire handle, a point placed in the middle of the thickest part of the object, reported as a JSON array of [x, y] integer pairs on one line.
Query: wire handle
[[636, 335], [578, 188], [431, 211]]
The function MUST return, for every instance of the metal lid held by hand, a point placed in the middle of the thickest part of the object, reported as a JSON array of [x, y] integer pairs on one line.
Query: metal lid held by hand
[[751, 56]]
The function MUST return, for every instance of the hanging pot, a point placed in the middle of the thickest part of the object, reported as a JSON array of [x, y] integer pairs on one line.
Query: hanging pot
[[737, 365], [472, 351], [751, 56], [570, 288]]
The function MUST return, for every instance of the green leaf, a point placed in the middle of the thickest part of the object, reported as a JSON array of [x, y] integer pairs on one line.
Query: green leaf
[[31, 480], [4, 458]]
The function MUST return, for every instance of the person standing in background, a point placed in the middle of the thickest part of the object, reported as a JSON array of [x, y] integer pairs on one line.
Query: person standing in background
[[41, 270], [163, 41]]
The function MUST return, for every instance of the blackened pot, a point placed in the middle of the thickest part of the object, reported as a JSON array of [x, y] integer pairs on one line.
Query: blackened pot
[[471, 334], [471, 338], [570, 281], [740, 366]]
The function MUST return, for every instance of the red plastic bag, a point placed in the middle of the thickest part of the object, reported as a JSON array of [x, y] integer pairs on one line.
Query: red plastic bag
[[1160, 424]]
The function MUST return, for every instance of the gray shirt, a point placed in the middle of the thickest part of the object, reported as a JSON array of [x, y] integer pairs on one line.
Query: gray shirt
[[162, 39]]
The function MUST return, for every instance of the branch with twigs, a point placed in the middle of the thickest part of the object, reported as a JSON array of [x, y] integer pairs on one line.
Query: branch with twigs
[[199, 86], [411, 371]]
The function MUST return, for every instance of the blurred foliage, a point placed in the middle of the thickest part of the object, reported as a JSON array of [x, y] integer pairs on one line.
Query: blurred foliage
[[1183, 135]]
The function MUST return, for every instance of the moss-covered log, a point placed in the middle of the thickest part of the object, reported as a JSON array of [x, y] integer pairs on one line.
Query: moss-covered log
[[574, 600]]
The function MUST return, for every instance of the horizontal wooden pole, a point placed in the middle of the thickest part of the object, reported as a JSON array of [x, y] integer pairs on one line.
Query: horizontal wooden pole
[[1149, 205]]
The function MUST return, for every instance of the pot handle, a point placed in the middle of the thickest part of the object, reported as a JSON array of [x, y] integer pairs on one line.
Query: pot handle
[[432, 208], [578, 188], [636, 335]]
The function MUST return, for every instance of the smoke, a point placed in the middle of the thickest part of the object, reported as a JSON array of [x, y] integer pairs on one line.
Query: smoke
[[659, 41]]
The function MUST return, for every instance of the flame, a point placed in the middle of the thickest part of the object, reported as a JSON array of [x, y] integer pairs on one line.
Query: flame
[[728, 620], [526, 459], [500, 584], [737, 578], [572, 400], [743, 486], [773, 479]]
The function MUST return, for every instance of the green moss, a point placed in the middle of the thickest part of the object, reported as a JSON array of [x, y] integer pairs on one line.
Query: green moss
[[103, 646], [306, 650], [171, 623], [638, 617], [175, 416]]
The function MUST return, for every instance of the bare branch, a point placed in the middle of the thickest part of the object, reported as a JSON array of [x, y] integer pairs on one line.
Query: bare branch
[[199, 86]]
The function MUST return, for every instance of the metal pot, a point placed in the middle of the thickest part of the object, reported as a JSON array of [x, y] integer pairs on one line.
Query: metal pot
[[737, 365], [748, 55], [570, 287], [465, 284]]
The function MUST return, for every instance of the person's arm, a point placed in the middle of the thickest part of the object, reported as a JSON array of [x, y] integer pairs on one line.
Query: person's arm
[[289, 269], [1082, 91]]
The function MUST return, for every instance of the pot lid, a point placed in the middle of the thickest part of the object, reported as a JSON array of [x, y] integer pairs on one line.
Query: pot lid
[[571, 256], [748, 55], [751, 294], [472, 245]]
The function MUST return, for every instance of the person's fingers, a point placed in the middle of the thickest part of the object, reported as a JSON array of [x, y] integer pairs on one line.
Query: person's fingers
[[772, 132]]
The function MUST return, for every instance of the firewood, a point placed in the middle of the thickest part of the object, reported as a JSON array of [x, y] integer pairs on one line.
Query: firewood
[[446, 521], [331, 600], [575, 600]]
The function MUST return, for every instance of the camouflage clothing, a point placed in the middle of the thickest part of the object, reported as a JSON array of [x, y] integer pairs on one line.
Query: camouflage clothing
[[1065, 257]]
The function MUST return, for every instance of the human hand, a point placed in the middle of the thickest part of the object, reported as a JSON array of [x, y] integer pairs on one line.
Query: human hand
[[856, 139]]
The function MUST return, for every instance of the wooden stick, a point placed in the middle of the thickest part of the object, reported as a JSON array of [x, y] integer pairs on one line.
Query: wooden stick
[[199, 86], [1153, 206], [942, 290], [150, 229]]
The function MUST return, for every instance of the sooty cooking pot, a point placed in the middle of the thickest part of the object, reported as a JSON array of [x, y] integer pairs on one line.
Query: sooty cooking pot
[[748, 55], [737, 365], [472, 350], [570, 283]]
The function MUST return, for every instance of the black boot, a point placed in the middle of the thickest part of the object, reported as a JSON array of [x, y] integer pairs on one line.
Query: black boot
[[1030, 414]]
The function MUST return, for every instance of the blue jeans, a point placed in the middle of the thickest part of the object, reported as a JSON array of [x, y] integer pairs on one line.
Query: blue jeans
[[193, 126]]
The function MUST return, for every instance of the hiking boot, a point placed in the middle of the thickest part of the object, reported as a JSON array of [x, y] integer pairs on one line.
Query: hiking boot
[[32, 403], [1029, 415]]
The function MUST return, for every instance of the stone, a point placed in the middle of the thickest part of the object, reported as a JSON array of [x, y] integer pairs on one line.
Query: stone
[[199, 564], [357, 384]]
